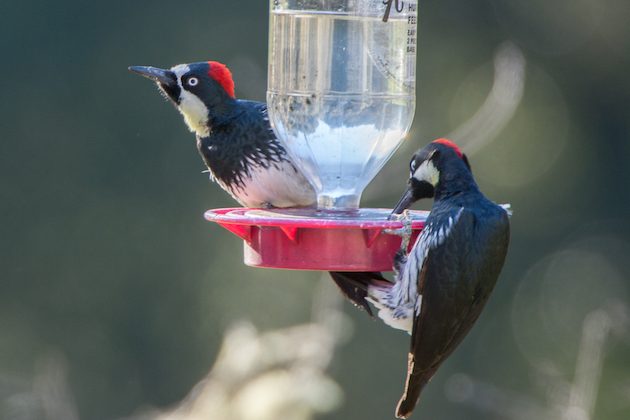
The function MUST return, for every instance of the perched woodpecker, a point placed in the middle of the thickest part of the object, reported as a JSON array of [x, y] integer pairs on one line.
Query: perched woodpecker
[[442, 285], [234, 136], [239, 147]]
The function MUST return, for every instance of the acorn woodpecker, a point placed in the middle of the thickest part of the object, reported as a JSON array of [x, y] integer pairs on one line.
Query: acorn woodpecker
[[234, 136], [239, 147], [442, 285]]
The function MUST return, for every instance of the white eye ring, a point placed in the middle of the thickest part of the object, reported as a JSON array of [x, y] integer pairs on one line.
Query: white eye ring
[[193, 81]]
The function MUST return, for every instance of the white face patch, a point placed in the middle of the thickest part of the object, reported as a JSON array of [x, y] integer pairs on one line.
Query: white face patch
[[190, 106], [195, 113], [427, 172]]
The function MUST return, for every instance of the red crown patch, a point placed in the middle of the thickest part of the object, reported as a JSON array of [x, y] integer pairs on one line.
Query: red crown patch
[[448, 143], [222, 75]]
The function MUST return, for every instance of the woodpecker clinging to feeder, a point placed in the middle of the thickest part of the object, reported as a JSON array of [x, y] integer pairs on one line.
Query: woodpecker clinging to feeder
[[234, 136], [442, 285], [238, 145]]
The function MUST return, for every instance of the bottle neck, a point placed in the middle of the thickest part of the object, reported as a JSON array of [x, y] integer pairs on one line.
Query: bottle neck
[[338, 202]]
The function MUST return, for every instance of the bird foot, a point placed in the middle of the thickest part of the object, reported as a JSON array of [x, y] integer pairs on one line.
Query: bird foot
[[405, 231]]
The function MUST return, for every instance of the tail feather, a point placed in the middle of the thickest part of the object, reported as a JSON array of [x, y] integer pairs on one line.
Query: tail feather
[[415, 383], [354, 286]]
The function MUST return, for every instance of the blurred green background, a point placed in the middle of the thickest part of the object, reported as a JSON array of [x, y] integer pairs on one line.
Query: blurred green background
[[107, 263]]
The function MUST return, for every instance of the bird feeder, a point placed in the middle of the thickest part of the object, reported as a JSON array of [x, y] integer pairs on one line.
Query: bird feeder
[[341, 98]]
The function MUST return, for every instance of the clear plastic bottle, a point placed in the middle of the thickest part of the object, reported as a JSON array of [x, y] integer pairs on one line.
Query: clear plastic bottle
[[341, 88]]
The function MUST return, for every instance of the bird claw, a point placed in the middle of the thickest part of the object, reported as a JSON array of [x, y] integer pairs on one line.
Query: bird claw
[[405, 232]]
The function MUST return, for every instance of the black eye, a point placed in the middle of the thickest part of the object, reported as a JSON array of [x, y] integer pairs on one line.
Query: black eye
[[412, 166], [193, 81]]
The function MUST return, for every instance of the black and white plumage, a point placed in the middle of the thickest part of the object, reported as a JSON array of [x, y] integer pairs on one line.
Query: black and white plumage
[[247, 160], [234, 137], [239, 147], [442, 285]]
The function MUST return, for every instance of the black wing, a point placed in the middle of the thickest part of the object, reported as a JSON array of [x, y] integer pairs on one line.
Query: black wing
[[455, 281], [354, 285]]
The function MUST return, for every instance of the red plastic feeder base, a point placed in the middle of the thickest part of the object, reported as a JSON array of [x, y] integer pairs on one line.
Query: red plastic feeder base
[[308, 239]]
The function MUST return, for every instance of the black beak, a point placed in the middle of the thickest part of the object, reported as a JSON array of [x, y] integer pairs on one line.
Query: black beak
[[165, 77], [404, 203], [415, 191]]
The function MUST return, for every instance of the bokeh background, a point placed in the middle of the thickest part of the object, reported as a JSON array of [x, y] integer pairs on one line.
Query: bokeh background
[[108, 269]]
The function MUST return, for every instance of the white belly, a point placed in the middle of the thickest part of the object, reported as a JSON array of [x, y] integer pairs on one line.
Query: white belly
[[276, 187]]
